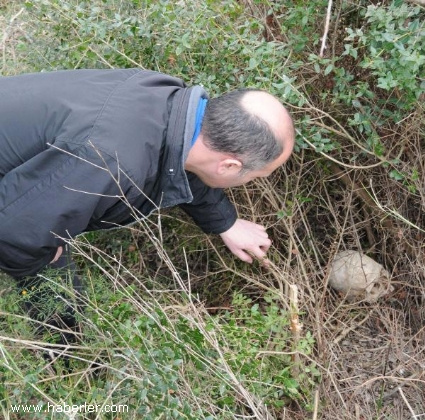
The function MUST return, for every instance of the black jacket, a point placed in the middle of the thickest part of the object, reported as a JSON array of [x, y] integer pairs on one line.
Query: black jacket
[[92, 149]]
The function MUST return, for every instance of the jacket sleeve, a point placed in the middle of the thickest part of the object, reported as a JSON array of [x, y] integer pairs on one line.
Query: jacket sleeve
[[51, 196], [210, 209]]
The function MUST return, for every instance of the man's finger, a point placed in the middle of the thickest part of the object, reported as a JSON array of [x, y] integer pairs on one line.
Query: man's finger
[[257, 253], [58, 254], [244, 256], [266, 245]]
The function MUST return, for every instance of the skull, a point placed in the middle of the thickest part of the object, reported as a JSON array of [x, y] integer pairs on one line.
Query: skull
[[359, 276]]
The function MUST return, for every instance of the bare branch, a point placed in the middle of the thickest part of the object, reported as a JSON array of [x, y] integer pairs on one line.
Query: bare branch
[[325, 33]]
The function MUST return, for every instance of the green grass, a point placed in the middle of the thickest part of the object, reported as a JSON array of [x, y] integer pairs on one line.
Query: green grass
[[157, 350], [174, 328]]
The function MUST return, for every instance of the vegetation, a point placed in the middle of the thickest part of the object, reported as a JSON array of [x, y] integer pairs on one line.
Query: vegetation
[[174, 327]]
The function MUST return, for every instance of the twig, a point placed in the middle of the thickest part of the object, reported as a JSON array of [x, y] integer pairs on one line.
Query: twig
[[11, 21], [316, 404], [363, 194], [414, 416], [421, 2], [394, 213], [7, 33], [325, 33], [345, 332], [390, 393], [295, 327], [340, 163]]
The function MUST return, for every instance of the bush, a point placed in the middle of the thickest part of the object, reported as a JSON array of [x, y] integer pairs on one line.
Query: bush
[[160, 354], [219, 345]]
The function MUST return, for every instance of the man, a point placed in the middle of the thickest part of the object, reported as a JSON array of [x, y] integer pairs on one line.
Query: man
[[78, 147], [92, 149]]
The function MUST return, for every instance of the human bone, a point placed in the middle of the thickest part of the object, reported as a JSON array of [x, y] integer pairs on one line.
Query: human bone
[[359, 276]]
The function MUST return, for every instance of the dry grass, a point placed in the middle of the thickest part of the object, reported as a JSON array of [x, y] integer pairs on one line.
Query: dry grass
[[371, 357], [11, 28], [373, 354]]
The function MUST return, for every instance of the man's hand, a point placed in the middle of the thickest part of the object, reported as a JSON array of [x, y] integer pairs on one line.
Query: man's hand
[[247, 239]]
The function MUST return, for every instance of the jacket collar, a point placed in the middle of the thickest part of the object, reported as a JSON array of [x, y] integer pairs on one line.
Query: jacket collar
[[174, 183]]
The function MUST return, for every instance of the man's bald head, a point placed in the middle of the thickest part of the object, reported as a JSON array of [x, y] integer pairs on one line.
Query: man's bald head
[[250, 125], [270, 110]]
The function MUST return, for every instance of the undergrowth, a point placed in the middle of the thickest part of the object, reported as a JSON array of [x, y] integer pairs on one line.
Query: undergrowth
[[153, 350], [173, 326]]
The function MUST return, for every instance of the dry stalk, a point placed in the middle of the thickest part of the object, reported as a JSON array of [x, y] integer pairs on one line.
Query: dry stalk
[[316, 404], [325, 34], [391, 393], [373, 207], [7, 33], [421, 2], [352, 327], [414, 416], [296, 327]]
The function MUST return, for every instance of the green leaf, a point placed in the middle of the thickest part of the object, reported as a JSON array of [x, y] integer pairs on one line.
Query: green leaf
[[253, 63], [328, 69]]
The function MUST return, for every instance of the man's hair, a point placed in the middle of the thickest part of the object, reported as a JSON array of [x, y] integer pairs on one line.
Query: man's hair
[[229, 128]]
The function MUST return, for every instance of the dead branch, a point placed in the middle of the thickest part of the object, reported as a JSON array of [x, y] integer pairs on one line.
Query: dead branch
[[7, 32], [421, 2], [325, 33], [295, 327], [370, 204]]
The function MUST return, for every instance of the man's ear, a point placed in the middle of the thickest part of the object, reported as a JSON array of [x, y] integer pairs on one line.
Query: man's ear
[[229, 166]]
